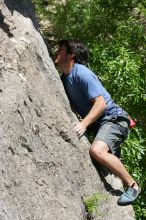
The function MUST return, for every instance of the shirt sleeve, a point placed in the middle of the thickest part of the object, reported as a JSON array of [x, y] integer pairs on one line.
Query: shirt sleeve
[[89, 84]]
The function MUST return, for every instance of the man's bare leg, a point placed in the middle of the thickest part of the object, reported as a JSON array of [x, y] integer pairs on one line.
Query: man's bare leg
[[100, 152]]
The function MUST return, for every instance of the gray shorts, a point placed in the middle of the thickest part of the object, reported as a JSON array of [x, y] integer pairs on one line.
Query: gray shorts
[[113, 133]]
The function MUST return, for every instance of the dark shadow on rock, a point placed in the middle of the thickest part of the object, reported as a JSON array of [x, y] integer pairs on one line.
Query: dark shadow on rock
[[24, 7], [103, 172], [5, 26]]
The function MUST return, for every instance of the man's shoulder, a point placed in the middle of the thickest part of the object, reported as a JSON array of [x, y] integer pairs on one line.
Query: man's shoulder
[[82, 67], [83, 71]]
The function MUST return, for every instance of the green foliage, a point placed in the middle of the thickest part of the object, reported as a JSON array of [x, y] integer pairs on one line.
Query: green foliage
[[115, 33], [121, 72], [134, 151], [91, 203]]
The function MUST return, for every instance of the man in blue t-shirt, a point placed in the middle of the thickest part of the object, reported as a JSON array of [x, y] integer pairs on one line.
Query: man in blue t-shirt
[[110, 123]]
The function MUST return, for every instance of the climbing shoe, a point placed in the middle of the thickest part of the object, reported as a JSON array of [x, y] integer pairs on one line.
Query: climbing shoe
[[129, 196]]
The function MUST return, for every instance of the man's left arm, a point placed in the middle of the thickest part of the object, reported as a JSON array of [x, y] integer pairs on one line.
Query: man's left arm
[[96, 111]]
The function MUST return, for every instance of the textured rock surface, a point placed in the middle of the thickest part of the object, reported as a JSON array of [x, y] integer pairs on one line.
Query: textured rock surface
[[45, 171]]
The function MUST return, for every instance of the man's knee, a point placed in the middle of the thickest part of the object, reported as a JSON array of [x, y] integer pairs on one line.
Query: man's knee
[[98, 149]]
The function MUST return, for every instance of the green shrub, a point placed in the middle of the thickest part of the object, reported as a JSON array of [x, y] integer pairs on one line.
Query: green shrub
[[92, 202], [134, 151]]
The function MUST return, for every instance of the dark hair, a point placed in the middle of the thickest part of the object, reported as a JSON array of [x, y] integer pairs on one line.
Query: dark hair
[[77, 48]]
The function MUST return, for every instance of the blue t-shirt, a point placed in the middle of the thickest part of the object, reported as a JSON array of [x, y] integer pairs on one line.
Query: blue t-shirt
[[82, 85]]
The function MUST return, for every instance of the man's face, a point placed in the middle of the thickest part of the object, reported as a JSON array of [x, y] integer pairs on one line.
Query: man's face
[[61, 56]]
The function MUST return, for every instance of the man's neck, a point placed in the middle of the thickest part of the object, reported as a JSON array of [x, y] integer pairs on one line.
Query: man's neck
[[66, 68]]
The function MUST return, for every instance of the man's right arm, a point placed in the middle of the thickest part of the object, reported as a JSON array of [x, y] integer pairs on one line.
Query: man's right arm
[[99, 105]]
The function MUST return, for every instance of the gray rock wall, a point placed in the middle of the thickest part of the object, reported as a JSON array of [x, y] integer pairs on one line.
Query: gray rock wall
[[45, 170]]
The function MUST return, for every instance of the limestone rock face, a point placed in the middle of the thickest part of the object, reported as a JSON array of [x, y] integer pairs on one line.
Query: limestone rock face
[[45, 170]]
